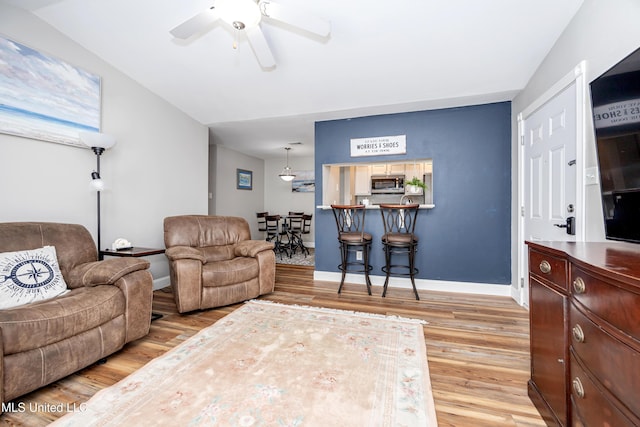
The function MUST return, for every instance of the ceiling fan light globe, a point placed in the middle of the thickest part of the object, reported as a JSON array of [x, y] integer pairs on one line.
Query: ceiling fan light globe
[[246, 12]]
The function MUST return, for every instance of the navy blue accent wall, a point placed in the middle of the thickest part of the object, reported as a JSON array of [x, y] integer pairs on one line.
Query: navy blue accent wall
[[466, 237]]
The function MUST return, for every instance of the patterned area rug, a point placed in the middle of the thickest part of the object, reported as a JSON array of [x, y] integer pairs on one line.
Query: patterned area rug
[[298, 258], [269, 364]]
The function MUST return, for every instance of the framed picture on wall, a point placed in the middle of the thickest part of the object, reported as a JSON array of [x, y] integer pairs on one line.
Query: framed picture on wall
[[304, 182], [44, 97], [244, 179]]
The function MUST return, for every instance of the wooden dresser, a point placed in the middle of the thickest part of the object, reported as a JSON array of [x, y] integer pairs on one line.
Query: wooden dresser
[[584, 308]]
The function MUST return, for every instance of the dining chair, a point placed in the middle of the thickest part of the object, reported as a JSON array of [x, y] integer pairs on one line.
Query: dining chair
[[275, 233], [300, 224], [262, 223], [294, 220]]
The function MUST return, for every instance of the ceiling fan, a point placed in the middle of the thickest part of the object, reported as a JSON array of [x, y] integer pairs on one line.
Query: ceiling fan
[[245, 15]]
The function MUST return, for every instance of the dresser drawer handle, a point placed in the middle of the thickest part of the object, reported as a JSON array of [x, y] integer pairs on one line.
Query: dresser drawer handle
[[579, 287], [577, 387], [545, 267], [578, 333]]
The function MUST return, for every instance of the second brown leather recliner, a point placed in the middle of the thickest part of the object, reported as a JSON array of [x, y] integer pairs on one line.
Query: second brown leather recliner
[[213, 262]]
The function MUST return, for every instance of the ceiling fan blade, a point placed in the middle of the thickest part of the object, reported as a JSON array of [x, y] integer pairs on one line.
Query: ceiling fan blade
[[295, 17], [195, 24], [260, 47]]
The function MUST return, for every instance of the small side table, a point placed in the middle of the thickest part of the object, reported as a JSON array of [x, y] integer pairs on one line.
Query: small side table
[[131, 252], [134, 252]]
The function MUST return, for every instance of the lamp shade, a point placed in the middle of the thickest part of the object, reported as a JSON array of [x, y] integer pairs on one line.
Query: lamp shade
[[97, 139], [287, 174]]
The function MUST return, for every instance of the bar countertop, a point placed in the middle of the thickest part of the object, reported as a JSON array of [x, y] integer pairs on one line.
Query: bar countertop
[[326, 207]]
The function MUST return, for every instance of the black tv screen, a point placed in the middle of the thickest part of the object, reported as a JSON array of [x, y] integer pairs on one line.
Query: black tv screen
[[615, 99]]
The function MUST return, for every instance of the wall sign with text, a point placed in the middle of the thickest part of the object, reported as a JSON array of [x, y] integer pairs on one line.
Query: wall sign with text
[[379, 146], [617, 114]]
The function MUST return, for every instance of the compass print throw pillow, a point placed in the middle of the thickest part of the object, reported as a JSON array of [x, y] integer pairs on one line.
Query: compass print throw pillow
[[29, 276]]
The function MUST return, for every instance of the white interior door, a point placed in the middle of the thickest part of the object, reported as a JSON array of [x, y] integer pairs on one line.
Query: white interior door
[[550, 169], [551, 172]]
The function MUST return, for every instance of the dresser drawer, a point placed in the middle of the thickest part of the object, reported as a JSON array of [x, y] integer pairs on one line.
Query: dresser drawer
[[550, 268], [611, 362], [618, 306], [590, 407]]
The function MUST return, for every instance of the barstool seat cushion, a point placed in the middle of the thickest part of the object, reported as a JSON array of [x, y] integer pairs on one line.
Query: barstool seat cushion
[[399, 238], [354, 237]]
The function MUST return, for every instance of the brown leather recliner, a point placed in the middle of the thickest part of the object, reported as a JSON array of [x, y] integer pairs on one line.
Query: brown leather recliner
[[108, 305], [213, 262]]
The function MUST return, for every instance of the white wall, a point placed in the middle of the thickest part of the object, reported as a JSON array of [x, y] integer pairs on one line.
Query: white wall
[[269, 192], [602, 33], [157, 168], [228, 199], [278, 197]]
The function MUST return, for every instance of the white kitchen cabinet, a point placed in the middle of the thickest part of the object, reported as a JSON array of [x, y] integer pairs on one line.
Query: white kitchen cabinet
[[363, 180], [379, 169], [414, 170], [396, 169]]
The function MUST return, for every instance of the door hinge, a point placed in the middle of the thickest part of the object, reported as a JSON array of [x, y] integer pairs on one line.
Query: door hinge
[[521, 139], [522, 211], [522, 283]]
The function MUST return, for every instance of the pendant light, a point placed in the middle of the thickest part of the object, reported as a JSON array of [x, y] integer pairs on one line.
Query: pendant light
[[287, 173]]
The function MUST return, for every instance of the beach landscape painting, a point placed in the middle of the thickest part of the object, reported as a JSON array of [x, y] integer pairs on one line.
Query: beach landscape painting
[[45, 98], [304, 182]]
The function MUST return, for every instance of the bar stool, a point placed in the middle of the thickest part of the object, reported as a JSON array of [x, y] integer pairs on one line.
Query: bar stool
[[399, 239], [352, 237]]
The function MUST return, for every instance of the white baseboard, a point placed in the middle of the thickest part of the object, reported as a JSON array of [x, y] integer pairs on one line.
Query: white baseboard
[[397, 282], [517, 296], [421, 284], [161, 282]]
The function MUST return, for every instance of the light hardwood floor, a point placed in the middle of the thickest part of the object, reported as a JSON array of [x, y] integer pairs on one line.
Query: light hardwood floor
[[477, 347]]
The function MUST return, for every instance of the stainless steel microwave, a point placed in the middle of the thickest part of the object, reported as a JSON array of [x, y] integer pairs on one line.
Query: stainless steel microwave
[[387, 184]]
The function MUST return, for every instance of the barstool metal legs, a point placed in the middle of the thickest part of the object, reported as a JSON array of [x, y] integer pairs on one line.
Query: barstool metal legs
[[343, 264], [411, 253], [412, 271], [344, 258], [386, 269], [367, 267]]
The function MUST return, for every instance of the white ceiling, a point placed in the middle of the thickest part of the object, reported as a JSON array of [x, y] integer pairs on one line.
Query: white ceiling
[[381, 57]]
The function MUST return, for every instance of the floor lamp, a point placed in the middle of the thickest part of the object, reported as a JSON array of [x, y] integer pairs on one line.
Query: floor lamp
[[98, 142]]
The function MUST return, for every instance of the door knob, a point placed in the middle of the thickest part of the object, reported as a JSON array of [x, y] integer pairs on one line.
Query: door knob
[[569, 225]]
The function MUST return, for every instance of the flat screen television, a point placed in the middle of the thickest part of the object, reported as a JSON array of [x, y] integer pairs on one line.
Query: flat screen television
[[615, 99]]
